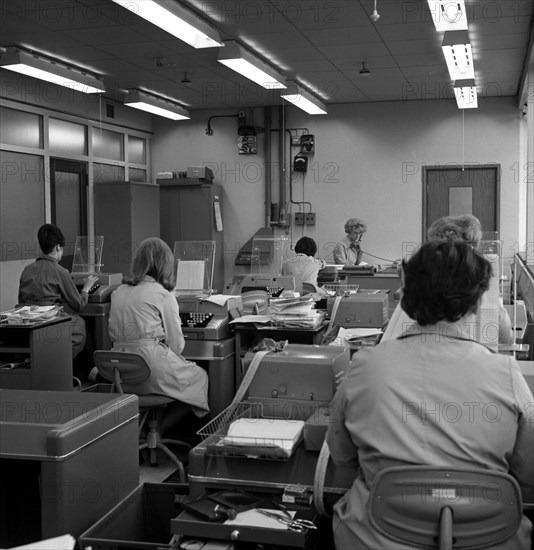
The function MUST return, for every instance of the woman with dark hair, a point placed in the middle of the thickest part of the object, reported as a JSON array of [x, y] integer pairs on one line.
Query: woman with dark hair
[[304, 265], [466, 228], [394, 407], [144, 319], [45, 283]]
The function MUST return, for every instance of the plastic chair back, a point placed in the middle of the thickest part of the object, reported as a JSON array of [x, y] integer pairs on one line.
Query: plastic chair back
[[432, 507], [120, 367]]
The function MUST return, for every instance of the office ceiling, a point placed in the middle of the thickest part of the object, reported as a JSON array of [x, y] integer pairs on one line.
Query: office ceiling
[[320, 43]]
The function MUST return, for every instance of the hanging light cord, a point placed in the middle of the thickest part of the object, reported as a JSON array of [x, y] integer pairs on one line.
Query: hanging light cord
[[463, 140]]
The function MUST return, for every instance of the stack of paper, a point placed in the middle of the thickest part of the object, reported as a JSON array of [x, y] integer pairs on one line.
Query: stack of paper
[[296, 306], [312, 319], [30, 314], [279, 434]]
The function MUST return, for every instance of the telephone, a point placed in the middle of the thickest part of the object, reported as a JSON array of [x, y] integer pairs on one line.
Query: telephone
[[300, 163]]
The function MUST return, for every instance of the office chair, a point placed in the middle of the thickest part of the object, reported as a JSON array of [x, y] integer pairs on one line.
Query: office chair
[[123, 368], [434, 507]]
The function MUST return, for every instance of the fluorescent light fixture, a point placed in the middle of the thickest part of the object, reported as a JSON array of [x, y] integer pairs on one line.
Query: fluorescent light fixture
[[247, 64], [448, 15], [155, 105], [36, 66], [466, 94], [303, 99], [458, 55], [170, 16]]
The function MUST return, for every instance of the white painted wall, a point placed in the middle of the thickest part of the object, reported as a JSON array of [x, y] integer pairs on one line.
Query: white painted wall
[[368, 164]]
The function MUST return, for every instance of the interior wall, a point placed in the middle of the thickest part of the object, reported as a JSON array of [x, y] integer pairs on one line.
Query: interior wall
[[368, 163]]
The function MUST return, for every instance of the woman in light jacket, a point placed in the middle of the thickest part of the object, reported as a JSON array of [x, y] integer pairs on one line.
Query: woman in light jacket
[[425, 398], [144, 319]]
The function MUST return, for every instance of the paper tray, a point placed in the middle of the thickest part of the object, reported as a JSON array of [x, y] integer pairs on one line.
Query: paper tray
[[217, 441]]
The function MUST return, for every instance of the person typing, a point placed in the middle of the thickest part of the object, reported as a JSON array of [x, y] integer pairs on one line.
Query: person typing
[[44, 283]]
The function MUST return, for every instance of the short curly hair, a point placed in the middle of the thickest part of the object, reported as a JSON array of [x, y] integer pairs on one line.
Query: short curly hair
[[444, 280], [306, 245], [465, 228], [355, 223]]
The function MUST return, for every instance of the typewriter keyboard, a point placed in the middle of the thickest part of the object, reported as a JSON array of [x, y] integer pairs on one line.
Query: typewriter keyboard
[[272, 291], [195, 320]]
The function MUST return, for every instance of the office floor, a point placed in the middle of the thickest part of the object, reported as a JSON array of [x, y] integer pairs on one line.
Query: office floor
[[164, 469]]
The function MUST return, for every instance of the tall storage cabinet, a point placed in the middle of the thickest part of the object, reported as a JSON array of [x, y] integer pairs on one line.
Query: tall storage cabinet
[[125, 214], [188, 213]]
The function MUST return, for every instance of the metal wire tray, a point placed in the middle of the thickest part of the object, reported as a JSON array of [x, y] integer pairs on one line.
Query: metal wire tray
[[341, 288], [217, 442]]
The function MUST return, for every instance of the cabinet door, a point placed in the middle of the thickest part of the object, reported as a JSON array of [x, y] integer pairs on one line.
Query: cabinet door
[[196, 214]]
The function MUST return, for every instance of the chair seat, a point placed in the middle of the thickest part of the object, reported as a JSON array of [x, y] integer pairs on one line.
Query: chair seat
[[149, 401]]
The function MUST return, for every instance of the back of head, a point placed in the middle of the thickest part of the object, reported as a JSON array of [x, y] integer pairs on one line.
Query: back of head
[[470, 227], [306, 245], [49, 236], [355, 224], [465, 228], [155, 259], [444, 280]]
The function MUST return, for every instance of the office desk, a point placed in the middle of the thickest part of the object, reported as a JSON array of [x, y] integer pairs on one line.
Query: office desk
[[65, 459], [47, 346], [96, 317], [247, 335]]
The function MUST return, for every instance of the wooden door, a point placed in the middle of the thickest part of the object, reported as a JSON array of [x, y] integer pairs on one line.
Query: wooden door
[[453, 190]]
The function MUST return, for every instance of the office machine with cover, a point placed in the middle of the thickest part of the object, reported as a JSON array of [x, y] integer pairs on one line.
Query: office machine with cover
[[205, 319], [88, 261], [267, 443], [271, 434], [359, 310], [274, 285]]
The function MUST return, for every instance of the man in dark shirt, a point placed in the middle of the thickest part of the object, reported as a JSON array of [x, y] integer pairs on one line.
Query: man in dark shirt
[[46, 283]]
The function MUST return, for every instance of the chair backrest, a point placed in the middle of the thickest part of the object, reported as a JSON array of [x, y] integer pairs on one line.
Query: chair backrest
[[413, 504], [121, 367]]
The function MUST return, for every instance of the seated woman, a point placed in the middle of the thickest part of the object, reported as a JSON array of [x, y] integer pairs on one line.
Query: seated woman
[[45, 283], [144, 319], [392, 404], [466, 228], [304, 265], [348, 251]]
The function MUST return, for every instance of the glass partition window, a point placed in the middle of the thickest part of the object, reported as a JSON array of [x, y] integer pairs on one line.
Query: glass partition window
[[107, 172], [22, 208], [136, 174], [136, 150], [67, 137], [107, 144], [20, 128]]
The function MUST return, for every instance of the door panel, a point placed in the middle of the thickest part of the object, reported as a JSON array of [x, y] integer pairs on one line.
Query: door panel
[[453, 191], [68, 181]]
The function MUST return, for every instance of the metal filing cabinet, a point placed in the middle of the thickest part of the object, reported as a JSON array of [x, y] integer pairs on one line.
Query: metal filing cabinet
[[187, 213], [125, 214]]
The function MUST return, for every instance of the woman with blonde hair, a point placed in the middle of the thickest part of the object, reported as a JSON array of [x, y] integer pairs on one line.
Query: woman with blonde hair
[[348, 251], [144, 319]]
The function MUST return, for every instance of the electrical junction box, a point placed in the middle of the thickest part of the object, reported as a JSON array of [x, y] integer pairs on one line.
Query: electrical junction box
[[307, 144], [309, 218], [299, 218], [247, 145]]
